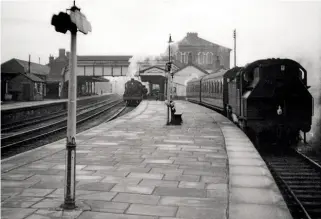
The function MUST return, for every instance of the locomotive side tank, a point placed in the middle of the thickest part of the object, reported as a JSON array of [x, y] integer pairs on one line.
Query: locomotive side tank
[[271, 98]]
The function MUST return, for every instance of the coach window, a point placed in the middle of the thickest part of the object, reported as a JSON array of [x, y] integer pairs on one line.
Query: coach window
[[218, 87]]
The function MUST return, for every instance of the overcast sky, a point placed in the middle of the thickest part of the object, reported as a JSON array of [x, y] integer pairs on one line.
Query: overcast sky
[[129, 27]]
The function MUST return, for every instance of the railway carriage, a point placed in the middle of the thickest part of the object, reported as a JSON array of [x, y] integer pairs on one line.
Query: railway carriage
[[193, 90], [212, 94]]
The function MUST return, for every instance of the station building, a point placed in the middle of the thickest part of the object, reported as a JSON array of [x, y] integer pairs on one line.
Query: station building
[[197, 51], [23, 80]]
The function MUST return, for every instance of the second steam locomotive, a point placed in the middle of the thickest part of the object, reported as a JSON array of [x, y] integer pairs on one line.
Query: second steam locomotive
[[269, 98], [134, 93]]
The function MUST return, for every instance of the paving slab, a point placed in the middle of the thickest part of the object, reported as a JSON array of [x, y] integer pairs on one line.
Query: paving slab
[[136, 167], [16, 213]]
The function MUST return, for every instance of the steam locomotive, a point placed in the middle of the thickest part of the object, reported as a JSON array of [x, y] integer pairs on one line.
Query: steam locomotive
[[268, 99], [134, 93]]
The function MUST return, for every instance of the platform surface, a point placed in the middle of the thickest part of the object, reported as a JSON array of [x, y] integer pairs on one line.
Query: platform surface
[[23, 104], [136, 167]]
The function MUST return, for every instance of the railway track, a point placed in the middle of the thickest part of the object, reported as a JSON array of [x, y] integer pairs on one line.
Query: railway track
[[299, 179], [14, 126], [40, 134]]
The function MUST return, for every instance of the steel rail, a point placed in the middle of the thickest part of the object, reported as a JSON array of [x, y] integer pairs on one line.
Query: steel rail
[[16, 143], [35, 120]]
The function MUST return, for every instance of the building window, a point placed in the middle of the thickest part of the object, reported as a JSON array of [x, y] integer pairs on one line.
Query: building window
[[186, 57], [182, 57], [201, 58], [210, 58], [204, 58], [178, 56]]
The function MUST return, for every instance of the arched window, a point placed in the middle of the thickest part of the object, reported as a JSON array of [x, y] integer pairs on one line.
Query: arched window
[[185, 57], [204, 58], [178, 56], [189, 57], [209, 58], [200, 58], [182, 57], [221, 60]]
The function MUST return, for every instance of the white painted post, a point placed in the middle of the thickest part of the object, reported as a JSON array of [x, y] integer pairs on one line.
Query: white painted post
[[70, 178]]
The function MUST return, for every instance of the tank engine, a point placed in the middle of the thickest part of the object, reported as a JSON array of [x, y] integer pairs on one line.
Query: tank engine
[[269, 98], [135, 91]]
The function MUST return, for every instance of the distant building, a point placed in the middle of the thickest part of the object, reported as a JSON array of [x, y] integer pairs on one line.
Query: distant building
[[55, 79], [19, 82], [197, 51], [182, 76]]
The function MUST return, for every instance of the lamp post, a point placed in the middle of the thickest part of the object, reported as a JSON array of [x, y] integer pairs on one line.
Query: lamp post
[[168, 69]]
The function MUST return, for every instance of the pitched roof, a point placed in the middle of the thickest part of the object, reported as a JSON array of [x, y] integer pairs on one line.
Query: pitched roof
[[103, 58], [34, 67], [56, 67], [195, 66], [54, 78], [32, 77], [193, 40], [146, 69]]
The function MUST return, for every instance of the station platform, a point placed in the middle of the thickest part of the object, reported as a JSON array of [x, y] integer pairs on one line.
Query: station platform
[[25, 104], [136, 167]]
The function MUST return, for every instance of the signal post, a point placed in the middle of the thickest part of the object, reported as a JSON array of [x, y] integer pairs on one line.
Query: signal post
[[72, 22], [168, 69]]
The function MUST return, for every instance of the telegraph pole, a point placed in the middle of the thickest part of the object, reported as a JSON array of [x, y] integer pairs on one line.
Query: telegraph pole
[[29, 64], [72, 22], [234, 36]]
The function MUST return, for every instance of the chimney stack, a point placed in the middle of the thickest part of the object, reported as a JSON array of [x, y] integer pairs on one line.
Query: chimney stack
[[192, 35], [51, 59], [68, 55], [62, 53]]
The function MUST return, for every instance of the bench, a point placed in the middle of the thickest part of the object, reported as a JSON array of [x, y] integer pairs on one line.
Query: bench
[[176, 117]]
